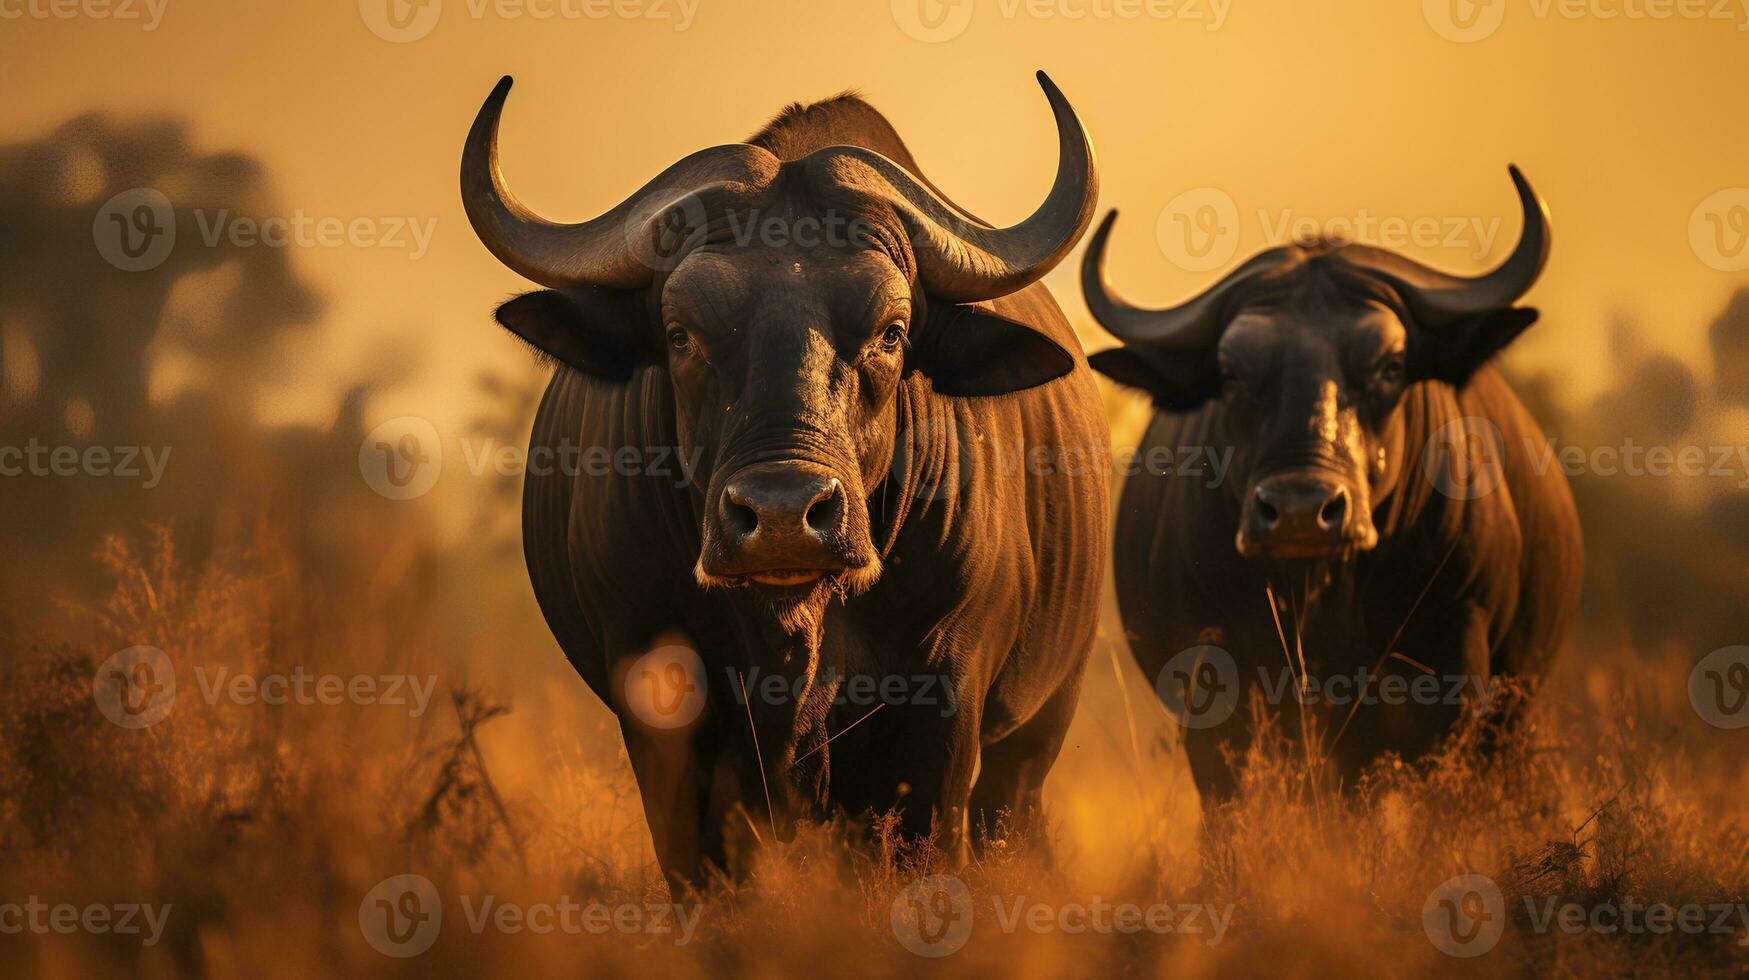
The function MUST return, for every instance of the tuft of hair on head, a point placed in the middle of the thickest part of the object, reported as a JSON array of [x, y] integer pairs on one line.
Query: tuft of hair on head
[[801, 128], [1316, 273], [799, 112]]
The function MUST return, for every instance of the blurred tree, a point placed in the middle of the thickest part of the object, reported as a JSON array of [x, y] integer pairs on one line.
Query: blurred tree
[[1729, 335], [504, 420], [91, 317], [88, 326]]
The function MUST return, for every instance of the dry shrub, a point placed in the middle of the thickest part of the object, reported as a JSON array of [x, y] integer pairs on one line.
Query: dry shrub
[[265, 828], [1561, 808]]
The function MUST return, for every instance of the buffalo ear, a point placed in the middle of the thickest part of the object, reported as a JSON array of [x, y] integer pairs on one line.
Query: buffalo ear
[[973, 351], [1177, 381], [597, 331], [1454, 352]]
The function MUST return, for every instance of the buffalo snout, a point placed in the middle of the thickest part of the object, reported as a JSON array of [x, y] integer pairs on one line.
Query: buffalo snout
[[782, 523], [1301, 515]]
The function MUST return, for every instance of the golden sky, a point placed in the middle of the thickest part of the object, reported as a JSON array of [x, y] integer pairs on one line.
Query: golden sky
[[1626, 114]]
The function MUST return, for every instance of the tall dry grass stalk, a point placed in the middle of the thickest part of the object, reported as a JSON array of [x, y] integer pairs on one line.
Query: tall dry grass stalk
[[264, 828]]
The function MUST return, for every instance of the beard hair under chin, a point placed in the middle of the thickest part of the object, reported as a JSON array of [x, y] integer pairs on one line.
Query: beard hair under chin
[[802, 616], [1314, 581]]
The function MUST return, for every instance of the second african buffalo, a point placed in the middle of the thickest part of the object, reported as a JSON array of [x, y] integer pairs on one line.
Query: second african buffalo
[[1369, 542]]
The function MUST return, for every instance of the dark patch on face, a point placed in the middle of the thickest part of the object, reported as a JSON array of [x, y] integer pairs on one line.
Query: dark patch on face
[[785, 362], [1311, 390]]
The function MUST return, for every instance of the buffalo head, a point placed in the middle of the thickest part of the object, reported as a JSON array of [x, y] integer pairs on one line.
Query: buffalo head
[[785, 298], [1309, 349]]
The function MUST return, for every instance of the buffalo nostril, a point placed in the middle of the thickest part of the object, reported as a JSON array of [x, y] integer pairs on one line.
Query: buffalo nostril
[[738, 518], [826, 513], [1267, 511], [1334, 510]]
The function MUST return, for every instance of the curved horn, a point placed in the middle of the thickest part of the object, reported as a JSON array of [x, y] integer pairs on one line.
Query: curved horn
[[1436, 297], [962, 260], [609, 250], [1190, 325]]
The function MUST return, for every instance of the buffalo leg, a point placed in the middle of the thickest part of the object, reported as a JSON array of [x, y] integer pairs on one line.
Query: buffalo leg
[[669, 782], [936, 759], [1012, 772]]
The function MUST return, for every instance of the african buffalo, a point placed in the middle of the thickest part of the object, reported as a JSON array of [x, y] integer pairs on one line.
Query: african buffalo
[[846, 367], [1368, 533]]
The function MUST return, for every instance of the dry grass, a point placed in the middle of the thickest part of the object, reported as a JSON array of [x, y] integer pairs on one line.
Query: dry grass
[[265, 827]]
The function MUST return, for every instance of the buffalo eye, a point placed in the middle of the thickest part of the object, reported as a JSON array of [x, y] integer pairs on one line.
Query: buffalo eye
[[678, 338], [894, 336], [1391, 371]]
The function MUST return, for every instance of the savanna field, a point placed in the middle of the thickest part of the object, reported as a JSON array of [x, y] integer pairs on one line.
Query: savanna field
[[262, 828], [276, 698]]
